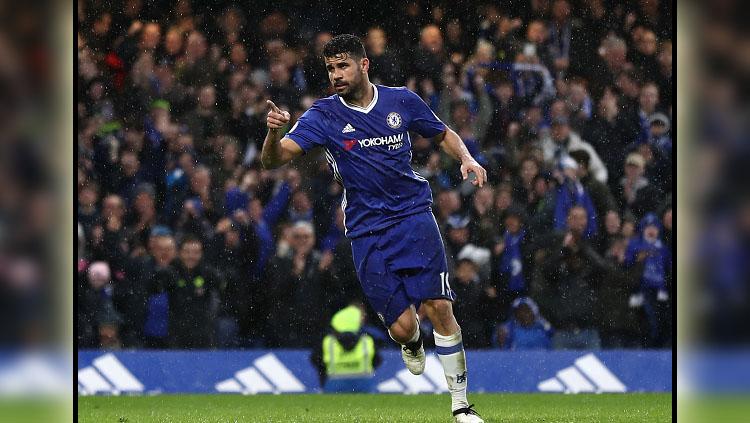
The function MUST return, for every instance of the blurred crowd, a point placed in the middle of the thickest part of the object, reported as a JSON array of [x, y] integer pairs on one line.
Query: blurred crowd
[[185, 241]]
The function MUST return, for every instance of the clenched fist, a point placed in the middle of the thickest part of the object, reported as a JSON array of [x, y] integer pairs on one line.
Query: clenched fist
[[276, 118]]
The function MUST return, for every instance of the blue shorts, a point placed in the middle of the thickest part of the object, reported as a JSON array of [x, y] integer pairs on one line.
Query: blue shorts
[[402, 265]]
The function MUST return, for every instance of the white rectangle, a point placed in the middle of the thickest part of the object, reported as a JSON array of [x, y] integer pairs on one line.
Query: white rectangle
[[229, 385], [121, 378], [414, 384], [253, 381], [574, 381], [599, 374], [92, 381], [390, 385], [278, 374]]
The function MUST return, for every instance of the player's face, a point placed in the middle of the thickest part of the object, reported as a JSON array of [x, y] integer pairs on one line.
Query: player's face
[[346, 73]]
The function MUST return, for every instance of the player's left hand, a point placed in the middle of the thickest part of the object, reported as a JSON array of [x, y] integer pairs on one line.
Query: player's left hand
[[474, 167]]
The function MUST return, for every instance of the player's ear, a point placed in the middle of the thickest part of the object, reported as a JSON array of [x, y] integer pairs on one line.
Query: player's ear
[[364, 63]]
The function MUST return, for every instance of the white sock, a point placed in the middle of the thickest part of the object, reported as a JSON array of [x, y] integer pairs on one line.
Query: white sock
[[450, 350]]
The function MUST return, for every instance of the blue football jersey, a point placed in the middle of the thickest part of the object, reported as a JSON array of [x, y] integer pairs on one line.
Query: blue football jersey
[[369, 152]]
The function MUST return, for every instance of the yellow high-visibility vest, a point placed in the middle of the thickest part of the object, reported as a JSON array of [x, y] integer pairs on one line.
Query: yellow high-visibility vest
[[353, 363]]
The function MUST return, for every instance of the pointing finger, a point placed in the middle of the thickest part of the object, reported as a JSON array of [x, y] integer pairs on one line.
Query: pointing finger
[[273, 106]]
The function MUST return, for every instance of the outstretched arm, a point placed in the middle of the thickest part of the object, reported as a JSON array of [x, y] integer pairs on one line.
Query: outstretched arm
[[277, 151], [455, 147]]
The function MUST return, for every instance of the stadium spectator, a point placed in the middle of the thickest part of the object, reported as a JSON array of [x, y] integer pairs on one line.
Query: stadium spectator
[[295, 286], [143, 217], [620, 324], [648, 102], [482, 224], [600, 194], [665, 78], [98, 320], [610, 232], [562, 141], [526, 329], [144, 308], [472, 303], [513, 258], [87, 211], [385, 67], [427, 61], [448, 203], [610, 132], [343, 286], [347, 358], [657, 153], [654, 261], [193, 298], [635, 193], [567, 284], [611, 62], [204, 121], [572, 193]]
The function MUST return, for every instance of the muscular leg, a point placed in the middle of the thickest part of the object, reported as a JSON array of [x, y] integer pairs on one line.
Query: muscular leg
[[440, 312], [450, 349], [403, 329]]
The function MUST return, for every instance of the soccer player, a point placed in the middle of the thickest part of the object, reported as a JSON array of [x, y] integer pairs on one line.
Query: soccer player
[[396, 244]]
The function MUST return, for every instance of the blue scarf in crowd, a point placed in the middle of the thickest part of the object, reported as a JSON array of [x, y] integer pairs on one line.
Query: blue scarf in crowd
[[572, 194], [511, 261]]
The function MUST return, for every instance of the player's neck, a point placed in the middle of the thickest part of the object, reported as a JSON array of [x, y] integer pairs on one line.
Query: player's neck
[[363, 96]]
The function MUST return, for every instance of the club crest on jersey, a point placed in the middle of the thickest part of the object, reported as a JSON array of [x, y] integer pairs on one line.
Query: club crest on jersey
[[393, 120]]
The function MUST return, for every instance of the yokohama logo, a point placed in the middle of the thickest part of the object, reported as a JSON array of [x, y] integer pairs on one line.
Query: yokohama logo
[[390, 139]]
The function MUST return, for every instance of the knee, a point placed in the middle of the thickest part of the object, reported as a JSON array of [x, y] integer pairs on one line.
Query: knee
[[439, 308], [402, 331]]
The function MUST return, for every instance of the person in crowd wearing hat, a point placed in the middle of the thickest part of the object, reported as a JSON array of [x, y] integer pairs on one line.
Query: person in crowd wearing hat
[[561, 141], [526, 329], [635, 193], [347, 358], [654, 261]]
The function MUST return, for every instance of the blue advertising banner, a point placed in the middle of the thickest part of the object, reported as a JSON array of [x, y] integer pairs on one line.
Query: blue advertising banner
[[290, 371]]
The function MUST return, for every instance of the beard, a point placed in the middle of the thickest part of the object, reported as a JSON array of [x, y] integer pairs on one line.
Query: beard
[[351, 91]]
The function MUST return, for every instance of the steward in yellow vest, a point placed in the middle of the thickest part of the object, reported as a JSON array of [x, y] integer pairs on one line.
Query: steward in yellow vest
[[347, 357]]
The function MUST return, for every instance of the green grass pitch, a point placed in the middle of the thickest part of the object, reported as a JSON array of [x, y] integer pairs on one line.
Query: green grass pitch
[[642, 408]]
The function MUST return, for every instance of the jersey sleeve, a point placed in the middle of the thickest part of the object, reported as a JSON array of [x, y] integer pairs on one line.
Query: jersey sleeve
[[423, 119], [308, 131]]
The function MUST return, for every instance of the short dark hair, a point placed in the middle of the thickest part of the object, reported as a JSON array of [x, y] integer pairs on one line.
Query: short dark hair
[[344, 43]]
